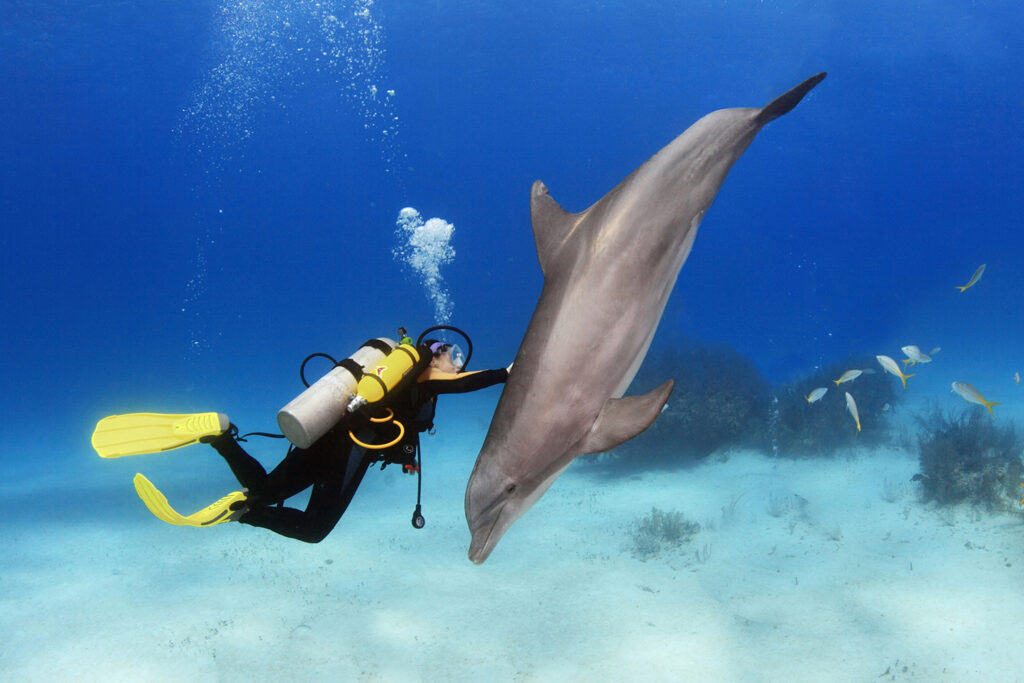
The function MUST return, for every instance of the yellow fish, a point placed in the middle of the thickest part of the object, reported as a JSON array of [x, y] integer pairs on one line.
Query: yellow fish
[[890, 366], [1016, 377], [816, 394], [974, 278], [851, 405], [972, 395], [848, 376], [915, 355]]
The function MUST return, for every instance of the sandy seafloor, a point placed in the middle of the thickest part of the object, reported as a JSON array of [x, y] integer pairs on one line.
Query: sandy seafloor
[[850, 578]]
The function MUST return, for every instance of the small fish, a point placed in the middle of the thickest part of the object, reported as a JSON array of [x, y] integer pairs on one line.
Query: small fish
[[851, 405], [915, 355], [816, 394], [848, 376], [974, 278], [1016, 377], [890, 366], [972, 395], [885, 408]]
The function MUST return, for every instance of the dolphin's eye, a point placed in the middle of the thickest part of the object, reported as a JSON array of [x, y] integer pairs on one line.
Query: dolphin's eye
[[510, 489]]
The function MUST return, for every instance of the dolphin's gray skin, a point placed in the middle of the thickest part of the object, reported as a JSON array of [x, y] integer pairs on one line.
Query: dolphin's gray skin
[[608, 272]]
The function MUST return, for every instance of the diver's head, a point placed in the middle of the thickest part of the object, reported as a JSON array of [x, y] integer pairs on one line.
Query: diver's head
[[446, 357]]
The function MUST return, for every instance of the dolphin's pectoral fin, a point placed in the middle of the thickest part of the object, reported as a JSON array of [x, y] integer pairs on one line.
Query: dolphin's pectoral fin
[[551, 224], [623, 418]]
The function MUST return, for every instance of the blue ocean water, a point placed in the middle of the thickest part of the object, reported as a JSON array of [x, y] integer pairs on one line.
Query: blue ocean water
[[195, 196]]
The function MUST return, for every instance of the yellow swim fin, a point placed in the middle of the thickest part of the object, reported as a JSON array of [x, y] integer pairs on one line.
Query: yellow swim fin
[[137, 433], [216, 513]]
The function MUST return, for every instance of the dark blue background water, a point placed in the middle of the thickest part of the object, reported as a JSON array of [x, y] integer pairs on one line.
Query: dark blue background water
[[154, 259]]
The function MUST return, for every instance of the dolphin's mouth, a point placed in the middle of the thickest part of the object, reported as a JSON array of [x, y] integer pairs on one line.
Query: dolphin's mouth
[[481, 543]]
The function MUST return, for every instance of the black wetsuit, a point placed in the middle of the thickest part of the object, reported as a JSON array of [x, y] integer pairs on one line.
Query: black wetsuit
[[334, 466]]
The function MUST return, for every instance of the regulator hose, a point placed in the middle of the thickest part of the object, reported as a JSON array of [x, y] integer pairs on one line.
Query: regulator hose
[[469, 342]]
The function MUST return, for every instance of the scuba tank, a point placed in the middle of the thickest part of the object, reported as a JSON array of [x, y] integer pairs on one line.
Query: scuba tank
[[382, 377], [313, 412]]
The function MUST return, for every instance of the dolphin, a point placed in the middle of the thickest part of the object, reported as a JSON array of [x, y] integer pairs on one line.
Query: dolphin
[[608, 272]]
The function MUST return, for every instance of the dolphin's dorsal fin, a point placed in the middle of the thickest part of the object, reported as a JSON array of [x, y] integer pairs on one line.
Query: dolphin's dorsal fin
[[623, 418], [551, 224]]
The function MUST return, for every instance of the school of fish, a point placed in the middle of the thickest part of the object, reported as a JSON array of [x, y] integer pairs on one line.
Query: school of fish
[[914, 356]]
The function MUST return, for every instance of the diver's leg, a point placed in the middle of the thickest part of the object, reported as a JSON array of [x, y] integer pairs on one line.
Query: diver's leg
[[337, 472], [247, 469], [327, 503], [330, 499], [287, 522]]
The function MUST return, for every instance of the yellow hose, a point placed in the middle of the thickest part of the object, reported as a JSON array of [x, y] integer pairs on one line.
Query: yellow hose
[[379, 447]]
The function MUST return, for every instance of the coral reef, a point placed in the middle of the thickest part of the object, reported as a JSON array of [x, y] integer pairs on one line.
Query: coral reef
[[969, 459], [661, 530], [799, 428], [720, 399]]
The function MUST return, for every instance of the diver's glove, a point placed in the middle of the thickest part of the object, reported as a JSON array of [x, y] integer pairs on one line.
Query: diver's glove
[[509, 368]]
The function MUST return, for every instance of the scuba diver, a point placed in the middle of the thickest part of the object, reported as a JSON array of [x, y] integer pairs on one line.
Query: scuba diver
[[391, 388]]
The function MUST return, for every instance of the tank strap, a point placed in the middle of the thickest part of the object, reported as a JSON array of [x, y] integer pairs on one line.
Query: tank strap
[[408, 353], [354, 368], [379, 345]]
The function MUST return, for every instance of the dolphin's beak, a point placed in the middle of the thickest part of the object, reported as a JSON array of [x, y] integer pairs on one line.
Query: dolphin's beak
[[481, 546], [486, 530]]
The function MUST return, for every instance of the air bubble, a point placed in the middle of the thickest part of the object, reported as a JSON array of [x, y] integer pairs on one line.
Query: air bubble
[[425, 247]]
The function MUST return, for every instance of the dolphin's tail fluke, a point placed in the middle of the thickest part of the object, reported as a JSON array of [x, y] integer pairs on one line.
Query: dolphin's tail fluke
[[785, 102]]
